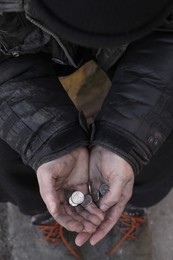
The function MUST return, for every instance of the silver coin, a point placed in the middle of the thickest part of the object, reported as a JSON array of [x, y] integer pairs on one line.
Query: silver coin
[[87, 201], [72, 203], [77, 197], [104, 188], [89, 188], [95, 194]]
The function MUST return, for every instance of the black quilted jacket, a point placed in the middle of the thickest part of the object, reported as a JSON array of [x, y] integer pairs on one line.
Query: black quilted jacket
[[37, 118]]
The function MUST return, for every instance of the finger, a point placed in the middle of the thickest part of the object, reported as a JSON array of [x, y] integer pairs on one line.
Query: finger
[[93, 209], [82, 238], [115, 192], [69, 223], [94, 219], [112, 215], [88, 227], [111, 219], [88, 221], [74, 225]]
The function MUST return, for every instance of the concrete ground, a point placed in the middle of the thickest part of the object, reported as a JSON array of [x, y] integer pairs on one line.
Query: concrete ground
[[20, 241]]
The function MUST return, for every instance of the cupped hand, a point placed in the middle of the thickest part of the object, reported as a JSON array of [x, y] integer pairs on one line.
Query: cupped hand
[[107, 167], [59, 178]]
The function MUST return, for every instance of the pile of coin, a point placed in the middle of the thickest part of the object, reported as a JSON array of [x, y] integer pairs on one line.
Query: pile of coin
[[78, 198], [87, 201], [96, 194]]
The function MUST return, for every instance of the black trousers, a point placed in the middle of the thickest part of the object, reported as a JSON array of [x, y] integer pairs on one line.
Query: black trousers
[[18, 182]]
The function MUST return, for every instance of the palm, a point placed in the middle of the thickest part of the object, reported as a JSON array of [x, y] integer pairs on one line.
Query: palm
[[108, 167], [57, 180]]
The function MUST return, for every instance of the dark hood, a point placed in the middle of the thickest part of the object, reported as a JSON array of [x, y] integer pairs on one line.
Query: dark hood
[[102, 23]]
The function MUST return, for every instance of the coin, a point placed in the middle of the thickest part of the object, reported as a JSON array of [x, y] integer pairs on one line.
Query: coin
[[95, 194], [77, 197], [72, 203], [87, 201], [89, 188], [104, 188]]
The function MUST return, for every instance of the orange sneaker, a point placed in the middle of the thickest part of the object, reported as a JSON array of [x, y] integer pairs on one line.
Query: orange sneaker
[[130, 225], [51, 230]]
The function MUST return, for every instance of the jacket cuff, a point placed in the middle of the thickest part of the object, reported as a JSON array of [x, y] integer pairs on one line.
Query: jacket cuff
[[58, 145], [124, 144]]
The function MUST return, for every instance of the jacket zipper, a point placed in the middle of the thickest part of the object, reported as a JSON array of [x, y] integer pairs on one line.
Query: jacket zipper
[[54, 36]]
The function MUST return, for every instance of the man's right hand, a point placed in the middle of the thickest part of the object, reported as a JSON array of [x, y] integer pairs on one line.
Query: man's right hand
[[107, 167], [63, 175]]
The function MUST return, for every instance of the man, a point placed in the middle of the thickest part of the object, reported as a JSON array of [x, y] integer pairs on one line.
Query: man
[[133, 43]]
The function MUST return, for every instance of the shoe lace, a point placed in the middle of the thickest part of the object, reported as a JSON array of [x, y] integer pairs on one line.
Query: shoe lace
[[129, 227], [53, 233]]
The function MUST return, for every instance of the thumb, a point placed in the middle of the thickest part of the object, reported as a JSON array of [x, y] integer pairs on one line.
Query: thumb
[[113, 196]]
